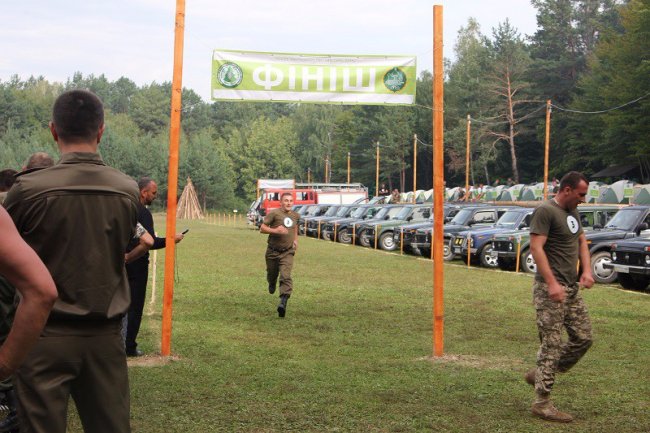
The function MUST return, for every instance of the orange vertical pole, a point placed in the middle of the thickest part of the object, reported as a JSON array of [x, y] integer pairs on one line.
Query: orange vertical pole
[[438, 185], [348, 168], [467, 159], [547, 141], [377, 172], [415, 165], [172, 179]]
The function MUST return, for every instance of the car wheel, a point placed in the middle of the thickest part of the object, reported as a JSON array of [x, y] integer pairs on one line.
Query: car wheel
[[344, 237], [600, 273], [527, 262], [386, 241], [363, 240], [486, 257], [633, 282], [447, 251], [326, 236]]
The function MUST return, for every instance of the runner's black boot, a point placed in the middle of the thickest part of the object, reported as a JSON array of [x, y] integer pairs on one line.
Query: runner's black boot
[[282, 307]]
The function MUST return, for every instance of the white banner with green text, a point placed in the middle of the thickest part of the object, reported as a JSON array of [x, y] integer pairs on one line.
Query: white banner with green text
[[331, 79]]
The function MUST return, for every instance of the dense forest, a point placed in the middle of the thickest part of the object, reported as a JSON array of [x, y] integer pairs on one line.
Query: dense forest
[[591, 58]]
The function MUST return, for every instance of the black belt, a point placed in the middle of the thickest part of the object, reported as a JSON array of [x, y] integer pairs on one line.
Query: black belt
[[278, 250]]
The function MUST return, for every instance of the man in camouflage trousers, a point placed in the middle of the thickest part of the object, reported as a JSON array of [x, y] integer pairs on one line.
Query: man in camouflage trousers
[[557, 242]]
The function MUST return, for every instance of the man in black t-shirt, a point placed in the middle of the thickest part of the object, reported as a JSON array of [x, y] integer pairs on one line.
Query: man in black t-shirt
[[558, 244], [138, 270]]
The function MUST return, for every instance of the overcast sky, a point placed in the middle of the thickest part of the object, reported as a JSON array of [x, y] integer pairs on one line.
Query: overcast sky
[[134, 38]]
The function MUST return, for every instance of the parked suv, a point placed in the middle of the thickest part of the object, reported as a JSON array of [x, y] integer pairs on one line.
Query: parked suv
[[480, 239], [340, 230], [505, 244], [469, 217], [386, 213], [631, 261], [383, 230], [628, 223], [406, 233]]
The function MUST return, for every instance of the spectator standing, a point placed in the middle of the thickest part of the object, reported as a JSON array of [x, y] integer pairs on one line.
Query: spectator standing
[[78, 216], [138, 270]]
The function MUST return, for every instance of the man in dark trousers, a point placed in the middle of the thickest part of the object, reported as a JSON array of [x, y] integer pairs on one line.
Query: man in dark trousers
[[282, 227], [78, 216], [558, 243], [138, 270]]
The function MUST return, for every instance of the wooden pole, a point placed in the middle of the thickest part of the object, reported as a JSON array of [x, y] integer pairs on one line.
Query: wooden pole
[[415, 165], [467, 158], [547, 140], [326, 169], [377, 172], [438, 185], [172, 187], [308, 175], [348, 168]]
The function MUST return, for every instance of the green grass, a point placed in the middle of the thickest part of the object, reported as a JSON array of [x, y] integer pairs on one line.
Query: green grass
[[354, 352]]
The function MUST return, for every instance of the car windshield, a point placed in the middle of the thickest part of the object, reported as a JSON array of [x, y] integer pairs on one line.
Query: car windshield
[[393, 213], [359, 212], [624, 219], [508, 219], [462, 217], [382, 212], [344, 210], [313, 210], [331, 211], [404, 213]]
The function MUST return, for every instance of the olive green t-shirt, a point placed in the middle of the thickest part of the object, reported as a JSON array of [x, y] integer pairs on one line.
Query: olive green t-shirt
[[278, 217], [562, 229]]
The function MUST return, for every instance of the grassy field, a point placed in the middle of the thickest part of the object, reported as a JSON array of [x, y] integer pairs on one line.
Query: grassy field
[[354, 352]]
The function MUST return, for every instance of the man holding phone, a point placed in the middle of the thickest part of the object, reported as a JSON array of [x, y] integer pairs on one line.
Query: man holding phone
[[138, 270]]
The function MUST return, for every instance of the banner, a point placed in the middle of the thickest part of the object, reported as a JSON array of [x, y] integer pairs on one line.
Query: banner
[[331, 79]]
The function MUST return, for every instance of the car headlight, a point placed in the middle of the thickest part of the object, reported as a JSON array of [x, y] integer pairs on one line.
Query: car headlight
[[647, 260], [614, 255]]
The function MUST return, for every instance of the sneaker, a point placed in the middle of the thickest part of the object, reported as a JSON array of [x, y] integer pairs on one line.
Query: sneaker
[[546, 410], [529, 377]]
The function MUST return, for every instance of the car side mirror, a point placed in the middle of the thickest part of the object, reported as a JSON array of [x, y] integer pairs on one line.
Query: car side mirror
[[386, 217], [641, 227], [597, 226], [409, 218]]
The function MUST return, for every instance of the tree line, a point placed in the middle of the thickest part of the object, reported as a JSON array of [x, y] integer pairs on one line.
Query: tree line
[[587, 57]]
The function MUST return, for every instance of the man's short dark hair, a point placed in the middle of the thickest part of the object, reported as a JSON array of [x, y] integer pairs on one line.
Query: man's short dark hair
[[144, 182], [7, 179], [572, 179], [77, 115], [286, 193], [39, 160]]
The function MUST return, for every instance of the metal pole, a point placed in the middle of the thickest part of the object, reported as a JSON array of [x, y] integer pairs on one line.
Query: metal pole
[[546, 147], [467, 158], [172, 178], [438, 185]]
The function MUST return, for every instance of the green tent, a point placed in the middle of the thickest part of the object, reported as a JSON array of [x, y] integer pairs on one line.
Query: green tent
[[642, 194]]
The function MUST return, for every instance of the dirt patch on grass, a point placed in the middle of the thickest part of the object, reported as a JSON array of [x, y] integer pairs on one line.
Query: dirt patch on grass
[[473, 361], [151, 361]]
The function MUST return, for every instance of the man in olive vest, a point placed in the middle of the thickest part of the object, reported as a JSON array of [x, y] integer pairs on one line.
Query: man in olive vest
[[282, 227], [557, 242]]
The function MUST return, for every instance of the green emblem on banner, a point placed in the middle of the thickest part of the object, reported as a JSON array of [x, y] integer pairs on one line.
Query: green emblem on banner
[[229, 75], [395, 80]]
